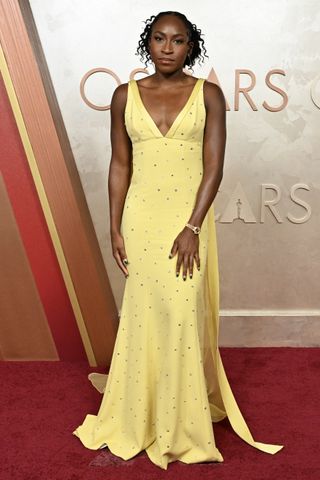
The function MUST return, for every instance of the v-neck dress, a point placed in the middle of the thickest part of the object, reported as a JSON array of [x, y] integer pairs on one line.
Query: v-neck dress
[[166, 383]]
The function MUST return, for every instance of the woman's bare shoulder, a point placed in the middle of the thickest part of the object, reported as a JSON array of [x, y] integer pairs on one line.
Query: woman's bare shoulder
[[119, 96], [213, 94]]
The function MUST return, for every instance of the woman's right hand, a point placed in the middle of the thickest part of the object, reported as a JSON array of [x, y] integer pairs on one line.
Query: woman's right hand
[[119, 252]]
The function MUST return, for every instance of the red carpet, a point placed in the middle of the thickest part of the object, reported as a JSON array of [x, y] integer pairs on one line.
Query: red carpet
[[277, 390]]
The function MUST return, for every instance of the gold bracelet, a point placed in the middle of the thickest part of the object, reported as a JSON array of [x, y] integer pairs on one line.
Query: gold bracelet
[[195, 230]]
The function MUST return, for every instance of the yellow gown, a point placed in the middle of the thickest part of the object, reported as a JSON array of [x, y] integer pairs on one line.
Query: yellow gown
[[166, 383]]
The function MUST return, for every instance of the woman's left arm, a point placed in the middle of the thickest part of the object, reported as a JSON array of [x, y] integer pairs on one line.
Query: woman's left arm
[[214, 141]]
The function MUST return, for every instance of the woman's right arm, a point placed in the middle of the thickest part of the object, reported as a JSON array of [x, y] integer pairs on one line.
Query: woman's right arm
[[119, 172]]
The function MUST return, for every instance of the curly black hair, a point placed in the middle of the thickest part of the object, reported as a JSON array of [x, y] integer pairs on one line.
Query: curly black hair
[[198, 51]]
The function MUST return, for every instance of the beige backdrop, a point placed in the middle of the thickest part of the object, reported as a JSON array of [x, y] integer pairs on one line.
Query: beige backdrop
[[268, 204]]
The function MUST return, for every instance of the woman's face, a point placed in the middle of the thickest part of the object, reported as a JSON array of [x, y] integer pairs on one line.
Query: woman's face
[[169, 43]]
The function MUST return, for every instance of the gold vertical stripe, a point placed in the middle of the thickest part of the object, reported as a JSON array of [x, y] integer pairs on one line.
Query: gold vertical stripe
[[46, 209]]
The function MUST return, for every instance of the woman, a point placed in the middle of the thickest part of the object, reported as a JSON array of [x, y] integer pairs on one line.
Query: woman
[[166, 383]]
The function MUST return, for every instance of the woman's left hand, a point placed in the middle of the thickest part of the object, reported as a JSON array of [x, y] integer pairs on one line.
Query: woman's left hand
[[186, 244]]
